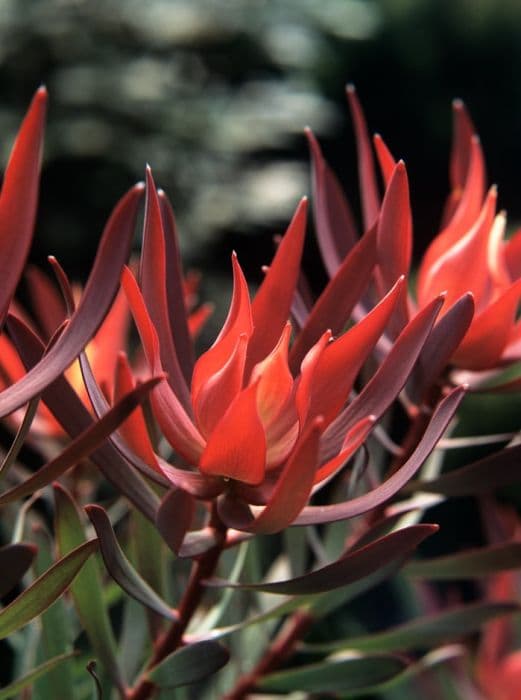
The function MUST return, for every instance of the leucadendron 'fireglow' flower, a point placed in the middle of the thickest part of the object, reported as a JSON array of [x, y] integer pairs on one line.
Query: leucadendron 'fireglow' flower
[[259, 418], [469, 259]]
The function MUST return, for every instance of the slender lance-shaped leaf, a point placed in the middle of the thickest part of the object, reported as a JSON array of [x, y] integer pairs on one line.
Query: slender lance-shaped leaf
[[366, 170], [468, 564], [15, 559], [336, 303], [99, 292], [445, 337], [272, 303], [190, 664], [16, 687], [153, 285], [86, 589], [45, 590], [386, 383], [121, 569], [70, 412], [336, 675], [334, 222], [19, 199], [351, 567], [425, 632], [174, 290], [362, 504], [485, 475], [83, 445]]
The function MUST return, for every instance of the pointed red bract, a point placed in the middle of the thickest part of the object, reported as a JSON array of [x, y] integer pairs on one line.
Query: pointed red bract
[[236, 449], [271, 307], [19, 199], [366, 171]]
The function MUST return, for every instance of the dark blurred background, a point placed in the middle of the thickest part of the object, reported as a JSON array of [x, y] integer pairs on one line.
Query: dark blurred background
[[214, 94]]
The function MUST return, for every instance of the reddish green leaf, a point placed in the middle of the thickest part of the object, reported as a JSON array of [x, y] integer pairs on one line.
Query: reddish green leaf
[[492, 472], [45, 590], [189, 664], [351, 567], [362, 504], [121, 569]]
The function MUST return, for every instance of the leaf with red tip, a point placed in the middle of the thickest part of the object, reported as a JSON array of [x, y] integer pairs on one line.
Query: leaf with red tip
[[45, 590], [19, 199], [385, 158], [236, 449], [175, 423], [193, 482], [464, 217], [394, 238], [335, 226], [445, 272], [271, 306], [489, 333], [481, 477], [341, 360], [153, 286], [366, 171], [220, 389], [386, 383], [443, 341], [238, 323], [462, 133], [82, 446], [96, 300], [73, 416], [121, 569], [182, 327], [174, 517], [292, 489], [349, 568], [15, 559], [336, 303], [382, 493]]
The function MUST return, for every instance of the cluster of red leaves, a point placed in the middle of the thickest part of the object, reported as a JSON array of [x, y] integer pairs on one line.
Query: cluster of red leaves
[[275, 408]]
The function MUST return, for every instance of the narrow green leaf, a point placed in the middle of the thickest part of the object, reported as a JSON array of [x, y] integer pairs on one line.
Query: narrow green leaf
[[55, 631], [45, 590], [469, 564], [424, 632], [9, 691], [189, 664], [121, 569], [336, 675], [86, 589]]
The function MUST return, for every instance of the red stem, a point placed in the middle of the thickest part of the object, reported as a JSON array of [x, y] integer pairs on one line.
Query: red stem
[[202, 569]]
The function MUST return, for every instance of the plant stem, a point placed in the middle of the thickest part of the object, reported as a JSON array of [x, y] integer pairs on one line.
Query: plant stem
[[282, 647], [202, 569]]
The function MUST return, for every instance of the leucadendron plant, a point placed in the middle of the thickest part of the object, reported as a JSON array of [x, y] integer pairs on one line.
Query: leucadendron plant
[[219, 523]]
